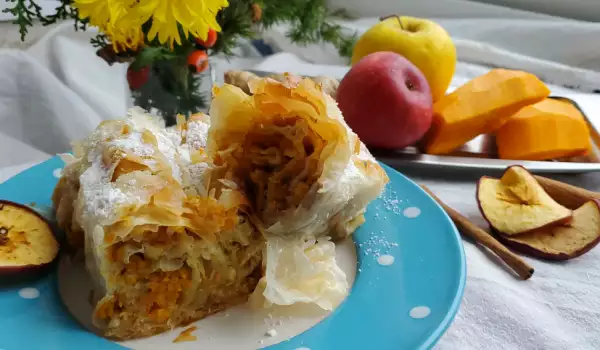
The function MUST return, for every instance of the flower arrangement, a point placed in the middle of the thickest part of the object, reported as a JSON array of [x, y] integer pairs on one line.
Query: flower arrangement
[[168, 42]]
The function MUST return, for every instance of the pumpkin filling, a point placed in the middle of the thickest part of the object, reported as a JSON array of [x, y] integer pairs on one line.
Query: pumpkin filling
[[278, 162], [154, 295], [172, 274]]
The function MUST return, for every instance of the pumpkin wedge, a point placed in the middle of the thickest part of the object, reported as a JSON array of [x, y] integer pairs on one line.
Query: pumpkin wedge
[[481, 106], [549, 129]]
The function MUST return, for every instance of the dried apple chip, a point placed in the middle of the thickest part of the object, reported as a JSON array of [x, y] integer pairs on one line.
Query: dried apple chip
[[26, 239], [517, 203], [562, 242]]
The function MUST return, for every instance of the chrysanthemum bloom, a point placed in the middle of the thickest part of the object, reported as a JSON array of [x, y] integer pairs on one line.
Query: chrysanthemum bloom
[[122, 20]]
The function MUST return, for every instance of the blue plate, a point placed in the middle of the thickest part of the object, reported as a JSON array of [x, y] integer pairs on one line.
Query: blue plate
[[408, 287]]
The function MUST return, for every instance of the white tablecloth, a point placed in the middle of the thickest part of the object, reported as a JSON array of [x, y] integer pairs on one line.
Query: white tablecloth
[[57, 90]]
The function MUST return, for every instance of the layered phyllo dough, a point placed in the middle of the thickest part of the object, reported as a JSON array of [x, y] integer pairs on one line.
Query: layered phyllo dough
[[307, 177], [181, 222], [288, 147], [161, 249]]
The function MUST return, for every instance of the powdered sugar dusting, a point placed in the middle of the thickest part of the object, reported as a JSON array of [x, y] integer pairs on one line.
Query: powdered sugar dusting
[[197, 172], [391, 204], [174, 135], [390, 201], [100, 197], [101, 200], [134, 143], [377, 245], [169, 150], [168, 140], [96, 173], [196, 135]]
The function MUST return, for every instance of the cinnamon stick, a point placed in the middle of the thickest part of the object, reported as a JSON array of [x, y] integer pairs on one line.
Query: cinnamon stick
[[468, 228], [570, 196]]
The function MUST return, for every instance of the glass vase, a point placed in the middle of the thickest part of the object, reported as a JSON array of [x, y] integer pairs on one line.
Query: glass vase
[[169, 88]]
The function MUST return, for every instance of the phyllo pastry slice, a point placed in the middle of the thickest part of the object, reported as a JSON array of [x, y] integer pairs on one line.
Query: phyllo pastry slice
[[161, 250], [288, 146], [307, 177]]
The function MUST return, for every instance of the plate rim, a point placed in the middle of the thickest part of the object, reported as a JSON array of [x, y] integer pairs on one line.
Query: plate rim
[[443, 327], [440, 329]]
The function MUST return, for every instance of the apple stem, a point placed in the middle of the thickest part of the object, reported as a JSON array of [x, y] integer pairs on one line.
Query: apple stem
[[390, 16], [400, 21]]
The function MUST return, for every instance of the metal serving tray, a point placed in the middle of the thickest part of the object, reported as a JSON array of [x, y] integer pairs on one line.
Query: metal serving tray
[[480, 153]]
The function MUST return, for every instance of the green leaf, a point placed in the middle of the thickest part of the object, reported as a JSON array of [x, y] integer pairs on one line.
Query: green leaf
[[148, 55], [172, 90]]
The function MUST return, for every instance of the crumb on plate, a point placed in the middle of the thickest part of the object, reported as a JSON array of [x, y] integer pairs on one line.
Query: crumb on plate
[[186, 335]]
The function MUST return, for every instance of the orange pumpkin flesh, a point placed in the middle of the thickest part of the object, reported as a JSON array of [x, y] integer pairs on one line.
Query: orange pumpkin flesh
[[481, 106], [546, 130]]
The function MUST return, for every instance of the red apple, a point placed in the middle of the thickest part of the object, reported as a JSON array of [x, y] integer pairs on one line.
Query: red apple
[[386, 100]]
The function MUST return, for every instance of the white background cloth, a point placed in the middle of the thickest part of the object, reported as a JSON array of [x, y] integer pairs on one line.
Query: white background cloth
[[53, 89]]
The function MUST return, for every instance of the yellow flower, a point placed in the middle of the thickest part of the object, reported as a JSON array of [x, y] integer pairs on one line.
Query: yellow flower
[[123, 38], [112, 17], [195, 17], [122, 20]]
